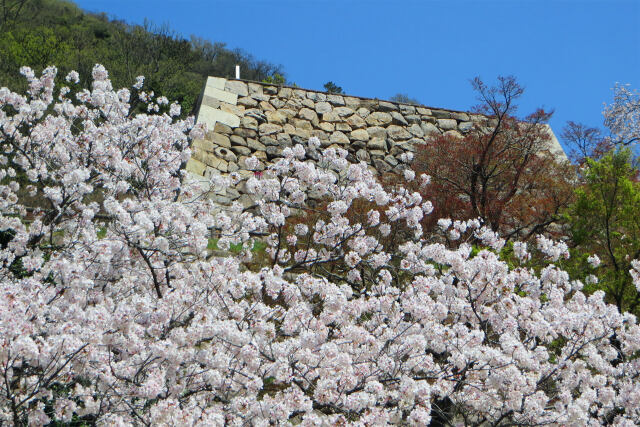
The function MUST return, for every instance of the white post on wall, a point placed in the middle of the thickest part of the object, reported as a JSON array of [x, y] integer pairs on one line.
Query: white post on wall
[[237, 72]]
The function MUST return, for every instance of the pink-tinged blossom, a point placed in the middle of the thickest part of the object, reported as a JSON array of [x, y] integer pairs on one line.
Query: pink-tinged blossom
[[552, 249], [139, 82], [444, 223], [593, 260], [121, 315], [520, 251], [635, 273]]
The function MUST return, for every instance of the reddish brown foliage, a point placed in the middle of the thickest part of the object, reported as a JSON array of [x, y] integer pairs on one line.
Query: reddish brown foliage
[[501, 171]]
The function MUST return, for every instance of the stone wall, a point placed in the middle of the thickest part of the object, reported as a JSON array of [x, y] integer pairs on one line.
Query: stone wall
[[250, 118]]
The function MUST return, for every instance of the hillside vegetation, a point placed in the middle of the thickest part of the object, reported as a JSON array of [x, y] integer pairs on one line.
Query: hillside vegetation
[[39, 33]]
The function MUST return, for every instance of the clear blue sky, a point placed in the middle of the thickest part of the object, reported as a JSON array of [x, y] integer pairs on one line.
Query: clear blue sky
[[567, 53]]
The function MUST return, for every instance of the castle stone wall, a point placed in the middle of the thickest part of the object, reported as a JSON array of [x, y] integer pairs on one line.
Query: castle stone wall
[[255, 119]]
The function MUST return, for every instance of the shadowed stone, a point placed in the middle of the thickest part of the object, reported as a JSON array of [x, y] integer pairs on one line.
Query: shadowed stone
[[447, 124], [360, 135], [377, 144], [378, 119], [355, 121], [237, 87], [338, 137], [323, 107]]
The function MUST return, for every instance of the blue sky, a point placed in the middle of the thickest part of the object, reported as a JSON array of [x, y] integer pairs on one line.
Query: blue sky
[[567, 53]]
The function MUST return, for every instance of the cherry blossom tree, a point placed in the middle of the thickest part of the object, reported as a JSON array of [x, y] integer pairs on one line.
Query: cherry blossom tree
[[112, 312], [622, 117]]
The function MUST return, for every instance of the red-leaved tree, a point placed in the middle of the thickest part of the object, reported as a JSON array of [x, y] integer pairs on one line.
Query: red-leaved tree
[[503, 170]]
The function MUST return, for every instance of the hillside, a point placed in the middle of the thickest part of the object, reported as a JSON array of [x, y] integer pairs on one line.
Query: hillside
[[39, 33]]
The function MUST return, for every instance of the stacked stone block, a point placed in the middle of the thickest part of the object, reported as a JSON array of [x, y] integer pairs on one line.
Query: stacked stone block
[[254, 119]]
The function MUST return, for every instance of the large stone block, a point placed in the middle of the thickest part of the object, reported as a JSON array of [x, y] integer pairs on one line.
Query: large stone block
[[407, 109], [387, 106], [430, 129], [343, 111], [277, 102], [377, 144], [465, 127], [215, 82], [397, 132], [302, 124], [256, 114], [293, 103], [255, 145], [210, 116], [343, 127], [269, 129], [222, 128], [237, 87], [447, 124], [338, 137], [241, 151], [225, 154], [275, 117], [441, 114], [413, 118], [335, 99], [327, 127], [363, 112], [238, 140], [307, 103], [308, 114], [255, 89], [285, 92], [377, 132], [221, 95], [236, 110], [288, 112], [323, 107], [398, 119], [381, 166], [249, 122], [416, 130], [331, 117], [284, 139], [245, 133], [355, 121], [247, 101], [462, 117], [266, 106], [352, 102], [211, 102], [202, 145], [316, 96], [221, 140], [378, 119], [196, 167], [360, 135]]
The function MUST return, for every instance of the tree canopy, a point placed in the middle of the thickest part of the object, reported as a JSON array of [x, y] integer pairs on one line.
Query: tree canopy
[[113, 312], [39, 33]]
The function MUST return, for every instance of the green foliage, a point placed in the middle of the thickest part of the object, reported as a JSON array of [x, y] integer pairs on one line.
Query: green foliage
[[56, 32], [331, 87], [258, 246], [276, 79], [604, 221], [404, 99]]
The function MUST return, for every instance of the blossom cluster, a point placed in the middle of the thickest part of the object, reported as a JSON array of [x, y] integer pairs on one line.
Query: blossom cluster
[[113, 312], [622, 117]]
